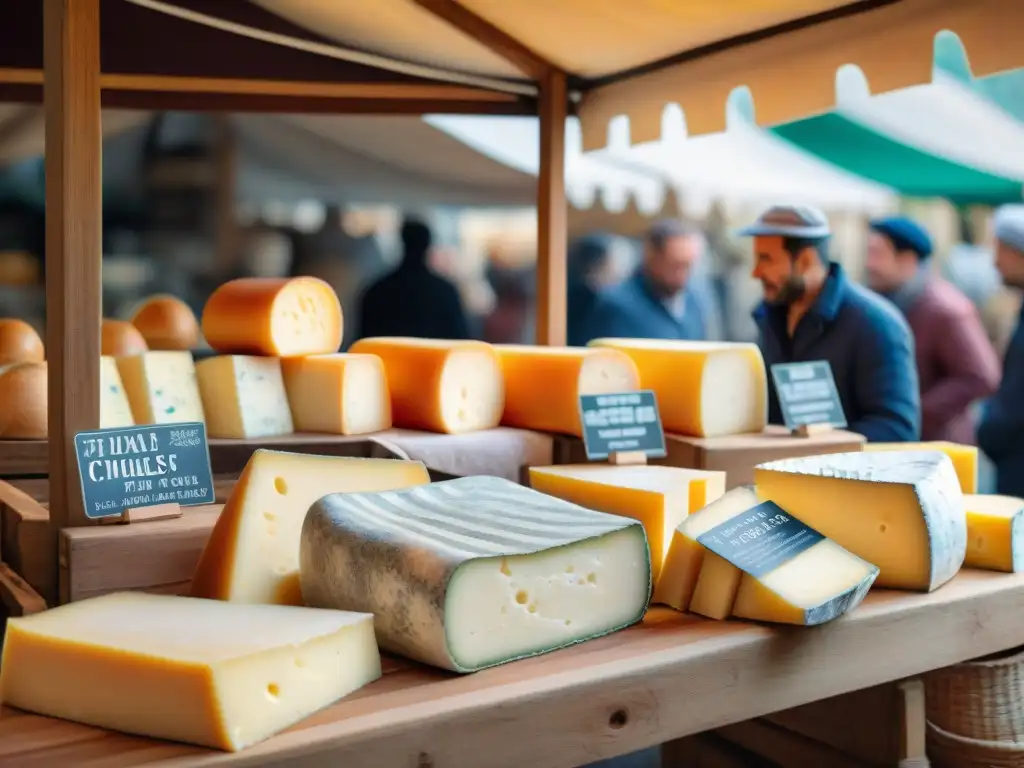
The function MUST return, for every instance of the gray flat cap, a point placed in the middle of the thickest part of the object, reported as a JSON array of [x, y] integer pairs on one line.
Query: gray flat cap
[[790, 221], [1009, 226]]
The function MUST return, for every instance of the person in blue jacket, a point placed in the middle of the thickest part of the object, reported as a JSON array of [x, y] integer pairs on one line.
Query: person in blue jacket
[[812, 311], [1001, 429]]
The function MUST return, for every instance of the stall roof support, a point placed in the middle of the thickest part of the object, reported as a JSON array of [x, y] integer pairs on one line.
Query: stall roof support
[[552, 213]]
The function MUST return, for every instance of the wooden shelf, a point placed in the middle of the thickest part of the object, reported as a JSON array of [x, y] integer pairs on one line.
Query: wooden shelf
[[672, 676]]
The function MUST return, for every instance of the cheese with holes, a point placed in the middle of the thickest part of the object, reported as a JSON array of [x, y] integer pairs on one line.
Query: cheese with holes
[[440, 386], [543, 384], [340, 394], [115, 410], [995, 533], [161, 387], [469, 573], [901, 510], [964, 458], [280, 317], [233, 674], [252, 555], [659, 497], [243, 397], [705, 389]]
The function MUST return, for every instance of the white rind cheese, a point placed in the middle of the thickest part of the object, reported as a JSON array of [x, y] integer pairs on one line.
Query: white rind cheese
[[470, 573]]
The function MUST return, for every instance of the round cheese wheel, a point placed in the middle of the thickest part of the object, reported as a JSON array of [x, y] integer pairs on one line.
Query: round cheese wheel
[[121, 338], [166, 322], [279, 317], [19, 342], [23, 393]]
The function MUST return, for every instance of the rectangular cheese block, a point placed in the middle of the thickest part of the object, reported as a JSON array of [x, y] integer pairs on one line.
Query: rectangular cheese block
[[964, 458], [900, 510], [161, 387], [659, 497], [995, 533], [198, 671], [469, 573], [115, 411], [543, 384], [342, 394], [244, 397], [704, 389], [252, 555]]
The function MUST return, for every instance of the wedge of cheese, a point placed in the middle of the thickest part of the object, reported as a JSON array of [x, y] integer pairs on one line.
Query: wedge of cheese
[[964, 458], [252, 555], [543, 384], [115, 411], [236, 674], [995, 533], [244, 397], [659, 497], [469, 573], [161, 387], [440, 386], [339, 394], [901, 510], [705, 389]]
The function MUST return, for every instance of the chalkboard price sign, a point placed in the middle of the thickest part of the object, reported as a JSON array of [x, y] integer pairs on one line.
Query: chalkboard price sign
[[627, 422]]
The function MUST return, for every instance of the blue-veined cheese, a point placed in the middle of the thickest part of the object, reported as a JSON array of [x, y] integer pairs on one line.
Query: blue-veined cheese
[[115, 410], [244, 397], [161, 387], [469, 573]]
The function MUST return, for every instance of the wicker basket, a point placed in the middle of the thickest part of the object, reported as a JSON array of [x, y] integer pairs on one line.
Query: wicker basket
[[946, 750], [981, 699]]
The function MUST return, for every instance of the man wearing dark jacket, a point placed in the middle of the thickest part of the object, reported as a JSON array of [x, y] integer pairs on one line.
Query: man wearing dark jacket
[[812, 311]]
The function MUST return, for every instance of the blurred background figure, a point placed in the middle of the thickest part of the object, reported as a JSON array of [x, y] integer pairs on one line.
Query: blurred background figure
[[593, 267]]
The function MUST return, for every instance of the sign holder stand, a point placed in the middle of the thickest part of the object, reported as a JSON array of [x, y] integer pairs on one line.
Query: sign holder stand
[[810, 430], [627, 458], [144, 514]]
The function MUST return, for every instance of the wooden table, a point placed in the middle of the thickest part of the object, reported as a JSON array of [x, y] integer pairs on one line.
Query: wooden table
[[671, 676]]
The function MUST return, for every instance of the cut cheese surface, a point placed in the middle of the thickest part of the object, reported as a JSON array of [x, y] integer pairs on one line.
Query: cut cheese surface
[[342, 394], [902, 511], [232, 675], [243, 397], [469, 573], [659, 497], [161, 387], [995, 533], [440, 386], [24, 394], [115, 411], [543, 384], [704, 389], [279, 317], [964, 458], [252, 555]]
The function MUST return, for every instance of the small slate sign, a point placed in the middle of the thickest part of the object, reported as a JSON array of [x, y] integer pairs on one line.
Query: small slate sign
[[621, 423], [807, 394], [131, 467]]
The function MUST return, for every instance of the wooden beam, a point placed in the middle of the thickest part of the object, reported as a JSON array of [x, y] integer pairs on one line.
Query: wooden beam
[[71, 53], [552, 213], [488, 35]]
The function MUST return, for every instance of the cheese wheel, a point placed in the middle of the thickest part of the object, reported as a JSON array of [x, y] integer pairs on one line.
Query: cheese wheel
[[440, 386], [278, 317], [166, 322], [19, 342], [121, 339], [23, 401], [543, 384]]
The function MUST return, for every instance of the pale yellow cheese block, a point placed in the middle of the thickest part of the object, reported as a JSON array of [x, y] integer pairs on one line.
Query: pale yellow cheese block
[[964, 458], [244, 397], [115, 410], [343, 394], [161, 387], [995, 533]]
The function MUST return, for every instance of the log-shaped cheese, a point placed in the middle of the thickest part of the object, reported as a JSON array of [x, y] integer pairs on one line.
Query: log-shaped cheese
[[19, 342], [902, 511], [280, 317], [543, 384], [995, 533], [964, 458], [119, 338], [166, 322], [252, 555], [343, 394], [161, 387], [243, 397], [659, 497], [202, 672], [115, 410], [705, 389], [440, 386], [23, 401], [469, 573]]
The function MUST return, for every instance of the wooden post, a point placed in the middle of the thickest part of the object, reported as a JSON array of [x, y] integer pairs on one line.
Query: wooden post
[[552, 214], [71, 95]]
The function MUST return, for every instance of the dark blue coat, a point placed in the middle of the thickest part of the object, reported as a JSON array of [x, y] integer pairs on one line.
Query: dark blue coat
[[870, 348], [1001, 431], [631, 310]]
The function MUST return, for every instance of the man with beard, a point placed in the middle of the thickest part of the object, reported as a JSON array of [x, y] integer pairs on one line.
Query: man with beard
[[812, 311], [1001, 429]]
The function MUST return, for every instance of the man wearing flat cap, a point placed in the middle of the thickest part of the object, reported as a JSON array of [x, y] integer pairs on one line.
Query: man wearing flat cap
[[1001, 431], [812, 311], [956, 364]]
